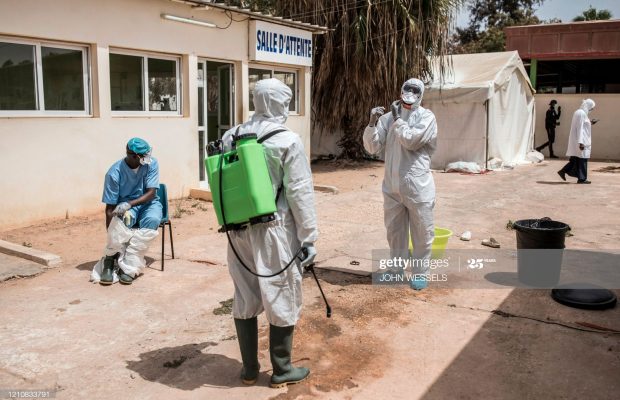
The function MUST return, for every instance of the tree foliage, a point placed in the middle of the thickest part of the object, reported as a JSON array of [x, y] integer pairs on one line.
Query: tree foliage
[[372, 48], [592, 14], [488, 18]]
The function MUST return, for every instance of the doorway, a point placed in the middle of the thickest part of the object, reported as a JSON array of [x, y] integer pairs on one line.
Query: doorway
[[216, 107]]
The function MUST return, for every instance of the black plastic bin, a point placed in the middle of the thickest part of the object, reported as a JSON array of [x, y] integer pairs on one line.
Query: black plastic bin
[[540, 247]]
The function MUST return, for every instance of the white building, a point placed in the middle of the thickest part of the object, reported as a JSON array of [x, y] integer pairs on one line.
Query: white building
[[79, 78]]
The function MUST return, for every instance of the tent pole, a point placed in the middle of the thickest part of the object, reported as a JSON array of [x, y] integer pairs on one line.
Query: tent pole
[[486, 147], [533, 72]]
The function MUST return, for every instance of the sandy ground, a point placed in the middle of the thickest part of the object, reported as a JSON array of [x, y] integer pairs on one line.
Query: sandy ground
[[168, 335]]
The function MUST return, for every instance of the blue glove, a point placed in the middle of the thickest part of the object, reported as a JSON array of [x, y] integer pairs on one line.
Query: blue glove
[[311, 254], [121, 209]]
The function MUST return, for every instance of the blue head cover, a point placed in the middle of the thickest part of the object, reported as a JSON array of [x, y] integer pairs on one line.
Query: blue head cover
[[138, 146]]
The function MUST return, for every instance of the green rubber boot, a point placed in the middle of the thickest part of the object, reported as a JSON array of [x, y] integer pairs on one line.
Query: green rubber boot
[[247, 335], [107, 275], [280, 348]]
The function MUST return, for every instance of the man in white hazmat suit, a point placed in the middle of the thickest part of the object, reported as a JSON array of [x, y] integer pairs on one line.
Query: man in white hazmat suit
[[409, 137], [579, 143], [267, 248]]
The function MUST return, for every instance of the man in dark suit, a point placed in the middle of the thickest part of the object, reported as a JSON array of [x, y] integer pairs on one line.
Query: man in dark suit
[[551, 121]]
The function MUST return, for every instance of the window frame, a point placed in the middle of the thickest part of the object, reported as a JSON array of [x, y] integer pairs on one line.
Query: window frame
[[279, 68], [38, 78], [145, 82]]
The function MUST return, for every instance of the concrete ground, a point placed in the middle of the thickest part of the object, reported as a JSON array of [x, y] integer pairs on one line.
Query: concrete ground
[[15, 267], [170, 335]]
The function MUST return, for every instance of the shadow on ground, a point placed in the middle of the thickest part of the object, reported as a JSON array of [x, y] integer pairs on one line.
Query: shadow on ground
[[188, 367], [339, 278], [514, 358], [89, 265], [510, 279], [552, 183], [323, 166]]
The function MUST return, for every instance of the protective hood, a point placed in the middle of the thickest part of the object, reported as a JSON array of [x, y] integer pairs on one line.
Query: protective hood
[[412, 97], [271, 100], [587, 105]]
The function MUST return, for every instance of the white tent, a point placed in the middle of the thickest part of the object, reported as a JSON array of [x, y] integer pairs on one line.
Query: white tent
[[484, 107]]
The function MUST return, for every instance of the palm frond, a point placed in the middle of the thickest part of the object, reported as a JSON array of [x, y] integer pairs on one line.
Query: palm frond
[[375, 45]]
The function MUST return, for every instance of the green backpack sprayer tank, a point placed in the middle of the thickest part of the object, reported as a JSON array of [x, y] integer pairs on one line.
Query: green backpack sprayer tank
[[240, 180]]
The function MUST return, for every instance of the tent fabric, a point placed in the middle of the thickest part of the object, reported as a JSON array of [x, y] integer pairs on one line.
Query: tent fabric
[[484, 106], [452, 144], [511, 122], [475, 77]]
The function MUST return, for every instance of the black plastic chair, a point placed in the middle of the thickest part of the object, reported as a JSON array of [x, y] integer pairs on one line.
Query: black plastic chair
[[162, 193]]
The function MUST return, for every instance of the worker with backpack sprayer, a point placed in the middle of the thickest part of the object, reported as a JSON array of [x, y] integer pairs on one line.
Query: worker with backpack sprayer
[[264, 199]]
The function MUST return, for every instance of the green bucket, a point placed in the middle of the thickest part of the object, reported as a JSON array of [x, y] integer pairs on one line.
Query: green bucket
[[439, 243]]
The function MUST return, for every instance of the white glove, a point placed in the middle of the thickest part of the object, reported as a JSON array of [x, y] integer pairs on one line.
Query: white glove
[[121, 209], [311, 254], [375, 114]]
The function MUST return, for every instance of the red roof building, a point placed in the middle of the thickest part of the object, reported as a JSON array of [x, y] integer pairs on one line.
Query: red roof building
[[576, 57]]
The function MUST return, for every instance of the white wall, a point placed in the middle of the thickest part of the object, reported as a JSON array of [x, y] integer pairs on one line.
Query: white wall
[[51, 165], [605, 134]]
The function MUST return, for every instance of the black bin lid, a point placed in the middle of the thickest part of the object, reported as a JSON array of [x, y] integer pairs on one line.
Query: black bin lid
[[588, 296]]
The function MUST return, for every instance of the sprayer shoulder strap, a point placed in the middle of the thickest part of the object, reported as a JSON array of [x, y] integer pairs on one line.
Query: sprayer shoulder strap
[[270, 135], [267, 137]]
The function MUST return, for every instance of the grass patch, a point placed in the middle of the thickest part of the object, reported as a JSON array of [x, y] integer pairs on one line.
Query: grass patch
[[225, 308]]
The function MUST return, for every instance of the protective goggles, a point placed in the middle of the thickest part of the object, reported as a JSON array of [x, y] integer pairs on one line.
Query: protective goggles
[[410, 88]]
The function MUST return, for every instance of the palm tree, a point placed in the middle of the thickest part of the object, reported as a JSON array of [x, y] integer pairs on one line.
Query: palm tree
[[373, 47]]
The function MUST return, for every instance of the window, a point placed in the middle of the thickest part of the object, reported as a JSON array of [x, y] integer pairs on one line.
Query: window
[[288, 77], [578, 76], [144, 83], [38, 78]]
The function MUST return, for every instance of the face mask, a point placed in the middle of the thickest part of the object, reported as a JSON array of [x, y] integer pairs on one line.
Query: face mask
[[409, 98], [146, 159], [410, 94]]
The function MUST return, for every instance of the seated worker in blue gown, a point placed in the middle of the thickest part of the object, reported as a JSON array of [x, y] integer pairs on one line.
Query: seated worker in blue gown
[[130, 195]]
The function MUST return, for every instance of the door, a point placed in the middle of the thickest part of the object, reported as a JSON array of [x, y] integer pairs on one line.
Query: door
[[225, 106], [215, 106], [202, 118]]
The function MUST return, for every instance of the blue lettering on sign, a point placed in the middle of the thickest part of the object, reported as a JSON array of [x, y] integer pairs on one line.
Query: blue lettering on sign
[[274, 42]]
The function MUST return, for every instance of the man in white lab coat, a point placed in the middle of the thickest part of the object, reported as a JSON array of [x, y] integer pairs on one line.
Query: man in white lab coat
[[579, 144]]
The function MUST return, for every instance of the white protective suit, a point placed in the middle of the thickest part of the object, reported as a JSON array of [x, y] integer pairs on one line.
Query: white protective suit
[[132, 244], [581, 131], [267, 247], [408, 186]]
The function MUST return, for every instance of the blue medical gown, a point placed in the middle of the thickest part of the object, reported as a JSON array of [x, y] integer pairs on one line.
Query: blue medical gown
[[124, 184]]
